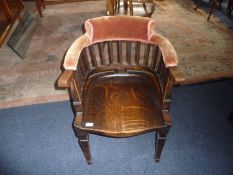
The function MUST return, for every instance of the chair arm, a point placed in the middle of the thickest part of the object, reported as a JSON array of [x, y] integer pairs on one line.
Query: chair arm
[[73, 53], [65, 79], [176, 75], [170, 57]]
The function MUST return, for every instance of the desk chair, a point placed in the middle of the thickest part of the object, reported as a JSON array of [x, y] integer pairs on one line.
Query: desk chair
[[120, 75]]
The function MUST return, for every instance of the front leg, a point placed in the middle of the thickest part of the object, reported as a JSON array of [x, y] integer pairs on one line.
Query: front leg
[[83, 140], [160, 141]]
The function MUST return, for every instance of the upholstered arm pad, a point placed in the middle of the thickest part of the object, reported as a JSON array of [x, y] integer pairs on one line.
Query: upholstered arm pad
[[170, 57], [72, 55]]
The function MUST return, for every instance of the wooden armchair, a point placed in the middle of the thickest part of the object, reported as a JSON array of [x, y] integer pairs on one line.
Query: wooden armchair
[[120, 76], [143, 8]]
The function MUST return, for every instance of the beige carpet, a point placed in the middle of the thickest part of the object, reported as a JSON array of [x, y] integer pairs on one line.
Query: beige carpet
[[205, 50]]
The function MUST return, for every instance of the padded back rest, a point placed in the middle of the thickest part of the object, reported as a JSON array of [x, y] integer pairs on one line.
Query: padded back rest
[[110, 28]]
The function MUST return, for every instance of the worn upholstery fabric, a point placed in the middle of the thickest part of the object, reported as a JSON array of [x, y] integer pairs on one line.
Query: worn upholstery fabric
[[130, 28]]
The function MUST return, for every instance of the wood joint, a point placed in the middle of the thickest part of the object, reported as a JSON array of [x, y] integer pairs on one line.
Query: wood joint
[[167, 100], [76, 103]]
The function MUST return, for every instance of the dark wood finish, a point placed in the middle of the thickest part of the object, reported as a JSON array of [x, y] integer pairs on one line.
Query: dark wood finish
[[230, 8], [160, 141], [9, 13], [130, 7], [83, 140], [213, 5], [125, 96]]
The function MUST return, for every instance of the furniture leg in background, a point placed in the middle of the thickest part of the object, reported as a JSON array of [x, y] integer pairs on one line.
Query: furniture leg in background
[[230, 8], [212, 3], [143, 8], [43, 3], [38, 6], [212, 8]]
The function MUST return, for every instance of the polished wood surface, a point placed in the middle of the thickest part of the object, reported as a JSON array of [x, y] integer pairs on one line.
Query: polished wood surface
[[9, 13], [117, 107], [120, 89]]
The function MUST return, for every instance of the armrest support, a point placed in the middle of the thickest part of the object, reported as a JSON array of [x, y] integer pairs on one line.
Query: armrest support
[[176, 75], [65, 79]]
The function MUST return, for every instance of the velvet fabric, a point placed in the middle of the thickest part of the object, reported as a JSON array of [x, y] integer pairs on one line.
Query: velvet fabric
[[119, 28], [128, 28], [168, 51], [72, 55]]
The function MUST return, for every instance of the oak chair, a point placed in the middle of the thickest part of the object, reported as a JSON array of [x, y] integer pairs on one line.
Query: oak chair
[[143, 8], [120, 74]]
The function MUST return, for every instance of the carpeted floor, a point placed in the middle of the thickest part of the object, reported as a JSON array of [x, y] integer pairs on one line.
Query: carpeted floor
[[39, 139], [204, 49]]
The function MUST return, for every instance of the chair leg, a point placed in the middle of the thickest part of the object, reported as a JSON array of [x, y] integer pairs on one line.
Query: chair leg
[[160, 141], [230, 8], [83, 140], [43, 5], [197, 5], [38, 5], [212, 8]]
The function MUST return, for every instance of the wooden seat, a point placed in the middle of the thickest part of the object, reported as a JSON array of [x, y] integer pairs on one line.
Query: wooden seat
[[116, 107], [120, 80], [129, 7]]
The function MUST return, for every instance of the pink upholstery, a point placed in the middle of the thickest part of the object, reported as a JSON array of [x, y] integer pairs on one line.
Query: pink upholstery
[[119, 28], [130, 28], [168, 51]]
